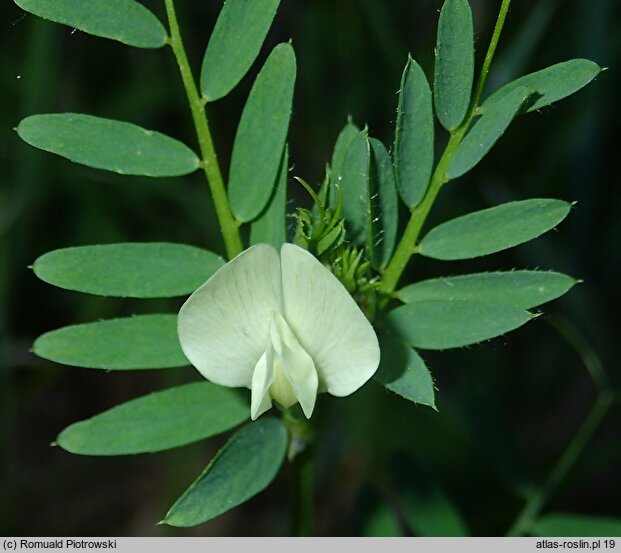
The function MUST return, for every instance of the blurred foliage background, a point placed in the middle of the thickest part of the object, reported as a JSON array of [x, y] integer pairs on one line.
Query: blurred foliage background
[[507, 409]]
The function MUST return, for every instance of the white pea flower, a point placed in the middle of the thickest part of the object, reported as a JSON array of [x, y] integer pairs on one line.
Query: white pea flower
[[281, 325]]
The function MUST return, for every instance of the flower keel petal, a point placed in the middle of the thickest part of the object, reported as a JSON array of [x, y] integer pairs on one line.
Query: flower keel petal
[[295, 363]]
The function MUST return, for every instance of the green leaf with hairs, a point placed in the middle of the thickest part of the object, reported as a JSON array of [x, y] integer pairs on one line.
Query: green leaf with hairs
[[494, 229], [523, 289], [384, 202], [550, 84], [134, 270], [441, 325], [403, 372], [343, 141], [454, 68], [107, 144], [414, 135], [355, 189], [158, 421], [271, 226], [245, 466], [235, 44], [261, 135], [141, 342], [127, 21]]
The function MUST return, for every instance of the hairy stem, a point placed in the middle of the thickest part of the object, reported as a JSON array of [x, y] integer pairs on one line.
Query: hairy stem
[[407, 245], [228, 226]]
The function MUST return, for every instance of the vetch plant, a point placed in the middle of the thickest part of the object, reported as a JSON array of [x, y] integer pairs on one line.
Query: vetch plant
[[293, 310]]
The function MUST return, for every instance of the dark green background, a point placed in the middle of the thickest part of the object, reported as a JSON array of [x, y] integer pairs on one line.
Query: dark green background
[[506, 409]]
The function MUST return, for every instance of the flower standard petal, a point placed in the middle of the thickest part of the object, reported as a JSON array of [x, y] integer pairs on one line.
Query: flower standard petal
[[223, 326], [328, 323]]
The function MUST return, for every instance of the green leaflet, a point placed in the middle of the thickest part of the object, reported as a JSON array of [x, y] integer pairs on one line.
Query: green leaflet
[[107, 144], [566, 525], [355, 188], [429, 511], [234, 44], [158, 421], [261, 135], [271, 226], [523, 289], [452, 324], [494, 229], [414, 136], [454, 68], [550, 84], [148, 270], [381, 523], [486, 131], [246, 465], [127, 21], [384, 205], [343, 141], [142, 342], [403, 372]]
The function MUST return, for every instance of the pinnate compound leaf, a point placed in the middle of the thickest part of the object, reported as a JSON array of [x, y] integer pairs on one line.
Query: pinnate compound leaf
[[271, 226], [343, 141], [141, 342], [115, 146], [486, 131], [441, 325], [523, 289], [261, 135], [245, 466], [403, 372], [355, 188], [570, 525], [494, 229], [158, 421], [414, 136], [550, 84], [454, 68], [384, 205], [135, 270], [127, 21], [235, 44]]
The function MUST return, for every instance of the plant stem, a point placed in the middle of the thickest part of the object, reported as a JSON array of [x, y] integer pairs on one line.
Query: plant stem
[[407, 245], [535, 503], [581, 346], [228, 226], [303, 468], [605, 398], [489, 56]]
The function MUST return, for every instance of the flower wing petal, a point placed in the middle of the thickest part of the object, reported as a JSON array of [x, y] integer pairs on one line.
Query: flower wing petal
[[262, 378], [223, 326], [328, 323]]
